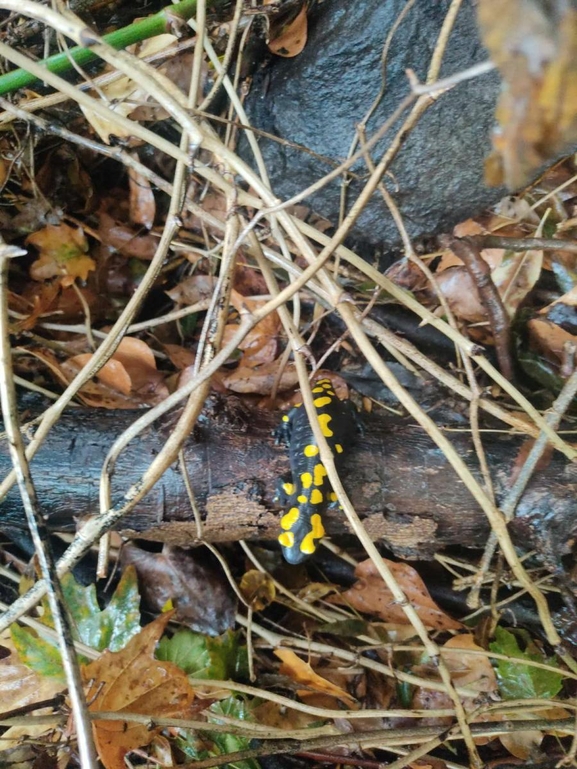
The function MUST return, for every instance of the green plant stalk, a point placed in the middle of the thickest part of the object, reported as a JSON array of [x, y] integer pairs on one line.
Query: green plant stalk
[[164, 21]]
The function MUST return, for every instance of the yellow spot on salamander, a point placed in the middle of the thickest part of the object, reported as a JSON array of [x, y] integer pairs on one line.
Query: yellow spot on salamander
[[306, 480], [286, 418], [320, 402], [332, 496], [289, 519], [319, 474], [308, 545], [288, 488], [310, 450], [324, 420], [316, 497], [317, 390], [338, 448], [301, 499], [287, 539]]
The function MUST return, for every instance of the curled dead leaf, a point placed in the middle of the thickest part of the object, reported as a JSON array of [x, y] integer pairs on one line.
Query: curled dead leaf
[[370, 595]]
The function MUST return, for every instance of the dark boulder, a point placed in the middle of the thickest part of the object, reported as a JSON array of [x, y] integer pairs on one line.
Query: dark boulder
[[317, 99]]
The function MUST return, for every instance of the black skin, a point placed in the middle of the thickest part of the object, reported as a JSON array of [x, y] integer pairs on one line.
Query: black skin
[[308, 493]]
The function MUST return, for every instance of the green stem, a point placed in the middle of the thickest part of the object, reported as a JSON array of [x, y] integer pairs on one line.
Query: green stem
[[163, 21]]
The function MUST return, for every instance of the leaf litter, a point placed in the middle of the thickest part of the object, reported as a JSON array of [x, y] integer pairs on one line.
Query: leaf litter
[[316, 645]]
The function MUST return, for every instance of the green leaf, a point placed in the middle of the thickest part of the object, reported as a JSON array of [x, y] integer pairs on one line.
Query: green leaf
[[113, 627], [519, 681], [188, 650], [110, 628], [37, 653], [201, 656], [232, 707], [208, 744]]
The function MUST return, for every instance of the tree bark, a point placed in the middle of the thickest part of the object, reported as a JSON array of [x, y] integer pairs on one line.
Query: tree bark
[[401, 485]]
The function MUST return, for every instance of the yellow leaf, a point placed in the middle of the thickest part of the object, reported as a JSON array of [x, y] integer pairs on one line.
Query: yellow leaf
[[301, 672]]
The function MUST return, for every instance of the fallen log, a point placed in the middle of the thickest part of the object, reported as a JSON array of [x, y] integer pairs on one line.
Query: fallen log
[[401, 485]]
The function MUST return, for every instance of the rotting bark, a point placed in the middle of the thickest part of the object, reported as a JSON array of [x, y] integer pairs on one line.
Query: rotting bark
[[399, 482]]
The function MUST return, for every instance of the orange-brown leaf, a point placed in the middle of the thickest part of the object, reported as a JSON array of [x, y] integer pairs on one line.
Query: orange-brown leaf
[[535, 49], [132, 680], [301, 672], [290, 39], [62, 252], [370, 595]]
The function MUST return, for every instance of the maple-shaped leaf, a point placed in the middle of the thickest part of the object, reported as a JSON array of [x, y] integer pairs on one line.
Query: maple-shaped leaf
[[62, 254], [133, 681], [109, 628]]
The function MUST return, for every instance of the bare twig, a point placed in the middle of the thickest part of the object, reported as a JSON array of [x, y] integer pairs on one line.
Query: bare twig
[[37, 525]]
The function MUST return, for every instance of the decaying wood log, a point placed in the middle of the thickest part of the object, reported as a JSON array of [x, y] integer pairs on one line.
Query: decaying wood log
[[400, 483]]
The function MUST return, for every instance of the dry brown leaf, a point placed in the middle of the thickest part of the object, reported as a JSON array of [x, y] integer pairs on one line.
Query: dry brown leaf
[[21, 686], [133, 680], [248, 380], [113, 374], [261, 343], [570, 299], [131, 371], [522, 745], [471, 670], [291, 38], [549, 338], [534, 45], [191, 290], [460, 291], [62, 254], [179, 356], [516, 276], [142, 203], [370, 595], [124, 95], [301, 672], [187, 580], [122, 238], [258, 589]]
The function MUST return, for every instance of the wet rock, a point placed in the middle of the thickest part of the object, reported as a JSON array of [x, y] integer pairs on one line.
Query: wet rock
[[317, 99]]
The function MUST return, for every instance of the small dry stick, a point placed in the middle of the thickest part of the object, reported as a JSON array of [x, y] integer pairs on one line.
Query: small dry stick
[[37, 524], [523, 244], [553, 418]]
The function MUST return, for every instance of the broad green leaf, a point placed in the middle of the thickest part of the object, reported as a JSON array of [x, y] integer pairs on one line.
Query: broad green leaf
[[208, 744], [201, 656], [188, 650], [110, 628], [115, 625], [232, 707], [37, 653], [519, 681]]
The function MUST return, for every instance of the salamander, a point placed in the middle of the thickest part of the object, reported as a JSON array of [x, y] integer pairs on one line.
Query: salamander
[[307, 494]]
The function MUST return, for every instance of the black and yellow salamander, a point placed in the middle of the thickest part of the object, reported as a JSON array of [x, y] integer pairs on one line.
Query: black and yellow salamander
[[307, 494]]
